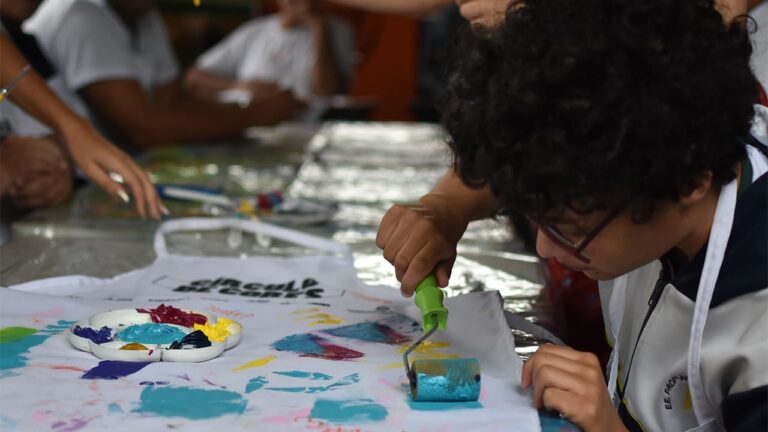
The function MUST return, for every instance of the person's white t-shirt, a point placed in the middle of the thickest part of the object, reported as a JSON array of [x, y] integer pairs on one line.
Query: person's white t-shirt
[[760, 43], [87, 42], [262, 49]]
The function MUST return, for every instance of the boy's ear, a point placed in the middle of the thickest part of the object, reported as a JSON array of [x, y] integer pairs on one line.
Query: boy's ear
[[698, 190]]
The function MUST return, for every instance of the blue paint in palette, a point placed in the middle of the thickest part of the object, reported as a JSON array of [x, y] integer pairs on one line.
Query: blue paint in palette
[[189, 402], [12, 354], [348, 411], [151, 333], [113, 369], [310, 375]]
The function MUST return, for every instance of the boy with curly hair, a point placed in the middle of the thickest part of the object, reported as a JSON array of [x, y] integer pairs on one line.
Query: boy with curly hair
[[626, 132]]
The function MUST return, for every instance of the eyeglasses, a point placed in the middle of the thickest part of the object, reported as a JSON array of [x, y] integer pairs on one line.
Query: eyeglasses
[[575, 249]]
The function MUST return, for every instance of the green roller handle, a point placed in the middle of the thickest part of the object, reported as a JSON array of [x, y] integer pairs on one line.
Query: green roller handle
[[429, 299]]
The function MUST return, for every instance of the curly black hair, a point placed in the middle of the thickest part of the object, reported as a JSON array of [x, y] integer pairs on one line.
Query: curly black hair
[[580, 105]]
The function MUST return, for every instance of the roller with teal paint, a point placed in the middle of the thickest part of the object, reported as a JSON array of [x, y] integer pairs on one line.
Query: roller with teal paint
[[439, 380]]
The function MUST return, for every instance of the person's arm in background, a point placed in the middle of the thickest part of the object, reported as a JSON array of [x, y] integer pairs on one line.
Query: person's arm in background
[[420, 238], [324, 77], [205, 84], [146, 123], [90, 151], [415, 8], [480, 12]]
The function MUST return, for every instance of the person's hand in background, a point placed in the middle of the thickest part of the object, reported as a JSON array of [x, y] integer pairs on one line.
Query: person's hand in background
[[34, 172]]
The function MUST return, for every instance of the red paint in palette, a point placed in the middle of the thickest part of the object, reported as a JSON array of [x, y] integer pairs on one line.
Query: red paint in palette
[[171, 315]]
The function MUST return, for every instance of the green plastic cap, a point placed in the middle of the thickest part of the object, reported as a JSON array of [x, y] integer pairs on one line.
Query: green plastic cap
[[429, 299]]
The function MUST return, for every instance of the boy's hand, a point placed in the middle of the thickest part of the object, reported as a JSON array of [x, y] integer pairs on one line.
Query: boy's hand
[[571, 382], [419, 238]]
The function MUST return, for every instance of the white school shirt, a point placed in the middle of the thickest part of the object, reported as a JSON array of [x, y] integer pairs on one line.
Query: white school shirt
[[87, 42], [262, 49], [759, 40]]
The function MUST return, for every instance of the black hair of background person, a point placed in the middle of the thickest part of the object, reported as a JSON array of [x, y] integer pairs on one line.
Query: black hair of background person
[[28, 46], [581, 105]]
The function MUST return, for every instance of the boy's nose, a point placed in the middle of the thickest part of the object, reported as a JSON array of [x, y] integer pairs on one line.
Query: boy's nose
[[545, 248]]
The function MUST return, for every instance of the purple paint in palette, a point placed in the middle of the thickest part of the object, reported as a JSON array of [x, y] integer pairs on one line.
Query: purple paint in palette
[[99, 336]]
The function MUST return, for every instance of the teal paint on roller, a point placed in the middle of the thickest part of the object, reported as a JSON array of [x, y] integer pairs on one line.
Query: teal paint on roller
[[449, 380], [444, 380]]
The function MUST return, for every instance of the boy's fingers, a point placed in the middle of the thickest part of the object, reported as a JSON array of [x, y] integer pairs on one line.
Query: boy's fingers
[[420, 267], [546, 376], [405, 256]]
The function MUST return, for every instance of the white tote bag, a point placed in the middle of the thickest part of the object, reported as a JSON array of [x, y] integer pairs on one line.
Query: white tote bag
[[297, 314]]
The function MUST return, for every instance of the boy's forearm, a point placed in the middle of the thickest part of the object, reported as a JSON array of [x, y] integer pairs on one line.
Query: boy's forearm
[[466, 203]]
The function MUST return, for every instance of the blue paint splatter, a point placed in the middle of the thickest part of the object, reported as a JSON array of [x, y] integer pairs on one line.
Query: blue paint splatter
[[442, 406], [191, 403], [151, 333], [301, 343], [370, 332], [347, 380], [256, 384], [115, 409], [302, 374], [113, 369], [12, 353], [99, 336], [348, 411], [309, 345]]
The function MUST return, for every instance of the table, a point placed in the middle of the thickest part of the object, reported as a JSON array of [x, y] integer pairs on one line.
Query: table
[[365, 167]]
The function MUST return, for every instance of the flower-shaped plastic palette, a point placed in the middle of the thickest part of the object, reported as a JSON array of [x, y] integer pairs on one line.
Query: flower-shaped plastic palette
[[164, 333]]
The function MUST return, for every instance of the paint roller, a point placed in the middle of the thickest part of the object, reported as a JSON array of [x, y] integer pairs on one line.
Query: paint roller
[[439, 380]]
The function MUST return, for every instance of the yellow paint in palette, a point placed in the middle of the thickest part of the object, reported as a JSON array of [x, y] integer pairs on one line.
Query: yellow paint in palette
[[256, 363], [217, 332], [196, 2]]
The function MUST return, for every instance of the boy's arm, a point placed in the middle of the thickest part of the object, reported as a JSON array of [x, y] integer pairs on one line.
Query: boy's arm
[[420, 238]]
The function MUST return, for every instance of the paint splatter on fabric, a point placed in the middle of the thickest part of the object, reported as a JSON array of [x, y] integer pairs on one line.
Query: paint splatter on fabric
[[309, 375], [346, 381], [348, 411], [100, 336], [256, 384], [70, 426], [309, 345], [171, 315], [12, 334], [255, 363], [191, 403], [113, 369], [19, 340], [370, 332]]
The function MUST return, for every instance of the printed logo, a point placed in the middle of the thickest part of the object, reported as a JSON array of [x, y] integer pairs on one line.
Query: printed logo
[[306, 288], [677, 393]]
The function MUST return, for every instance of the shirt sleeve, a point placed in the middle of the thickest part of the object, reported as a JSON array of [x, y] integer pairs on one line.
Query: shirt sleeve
[[164, 58], [87, 49], [226, 57]]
